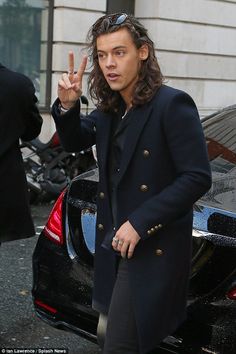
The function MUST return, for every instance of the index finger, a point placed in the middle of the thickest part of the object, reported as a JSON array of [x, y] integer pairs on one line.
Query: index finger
[[82, 67], [71, 63]]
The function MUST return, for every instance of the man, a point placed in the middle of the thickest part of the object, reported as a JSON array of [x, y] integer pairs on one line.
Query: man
[[19, 118], [153, 166]]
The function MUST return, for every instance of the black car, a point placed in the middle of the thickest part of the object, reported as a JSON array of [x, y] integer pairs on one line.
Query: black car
[[63, 257]]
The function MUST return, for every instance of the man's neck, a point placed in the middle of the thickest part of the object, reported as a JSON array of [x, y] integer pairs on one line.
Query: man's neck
[[127, 98]]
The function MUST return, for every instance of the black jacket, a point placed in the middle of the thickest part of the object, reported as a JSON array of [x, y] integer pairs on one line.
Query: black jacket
[[19, 118], [164, 169]]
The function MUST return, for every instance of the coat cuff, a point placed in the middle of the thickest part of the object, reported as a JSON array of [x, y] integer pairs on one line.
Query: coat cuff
[[56, 111], [145, 231]]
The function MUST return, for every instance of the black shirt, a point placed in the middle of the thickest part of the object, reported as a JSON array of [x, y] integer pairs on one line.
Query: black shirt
[[120, 122]]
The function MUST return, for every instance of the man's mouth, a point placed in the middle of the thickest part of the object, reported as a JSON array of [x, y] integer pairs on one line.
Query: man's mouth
[[112, 76]]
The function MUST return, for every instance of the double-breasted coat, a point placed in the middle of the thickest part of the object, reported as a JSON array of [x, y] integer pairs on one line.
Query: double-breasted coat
[[163, 170], [19, 118]]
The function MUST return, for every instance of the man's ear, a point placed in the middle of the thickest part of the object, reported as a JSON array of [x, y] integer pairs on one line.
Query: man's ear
[[143, 52]]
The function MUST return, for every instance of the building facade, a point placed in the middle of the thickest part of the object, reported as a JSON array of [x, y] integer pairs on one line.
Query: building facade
[[195, 43]]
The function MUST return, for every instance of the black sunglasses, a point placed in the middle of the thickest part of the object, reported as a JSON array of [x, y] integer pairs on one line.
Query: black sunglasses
[[114, 20]]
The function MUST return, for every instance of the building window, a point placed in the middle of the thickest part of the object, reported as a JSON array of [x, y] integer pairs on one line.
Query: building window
[[25, 43], [120, 6]]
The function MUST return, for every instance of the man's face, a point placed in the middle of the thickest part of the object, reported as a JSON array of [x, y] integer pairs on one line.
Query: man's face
[[120, 61]]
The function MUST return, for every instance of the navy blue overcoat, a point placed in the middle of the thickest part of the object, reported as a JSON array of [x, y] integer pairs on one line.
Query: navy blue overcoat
[[163, 171]]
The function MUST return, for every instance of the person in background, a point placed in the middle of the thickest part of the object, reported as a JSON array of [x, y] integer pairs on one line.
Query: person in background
[[19, 119], [153, 166]]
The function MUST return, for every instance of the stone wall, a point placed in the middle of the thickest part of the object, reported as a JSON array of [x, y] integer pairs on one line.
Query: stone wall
[[195, 43], [196, 47]]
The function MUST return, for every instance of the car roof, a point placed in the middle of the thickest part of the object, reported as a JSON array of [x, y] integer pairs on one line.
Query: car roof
[[220, 111]]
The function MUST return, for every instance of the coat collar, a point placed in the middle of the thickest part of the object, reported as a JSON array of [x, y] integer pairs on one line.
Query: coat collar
[[105, 121]]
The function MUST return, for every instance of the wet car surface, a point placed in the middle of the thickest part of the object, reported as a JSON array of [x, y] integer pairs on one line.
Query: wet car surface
[[63, 257]]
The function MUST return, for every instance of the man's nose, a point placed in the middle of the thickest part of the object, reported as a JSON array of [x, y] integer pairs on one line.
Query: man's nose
[[110, 61]]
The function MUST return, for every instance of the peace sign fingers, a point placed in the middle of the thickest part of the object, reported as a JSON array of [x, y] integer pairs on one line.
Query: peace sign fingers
[[71, 70], [70, 84]]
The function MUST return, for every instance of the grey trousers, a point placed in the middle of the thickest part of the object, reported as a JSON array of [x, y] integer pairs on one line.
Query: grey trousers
[[121, 333]]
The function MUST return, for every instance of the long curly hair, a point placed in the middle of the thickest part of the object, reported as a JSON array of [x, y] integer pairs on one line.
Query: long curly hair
[[150, 76]]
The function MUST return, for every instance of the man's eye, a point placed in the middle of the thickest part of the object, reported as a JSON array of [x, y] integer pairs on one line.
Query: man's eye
[[120, 53], [101, 55]]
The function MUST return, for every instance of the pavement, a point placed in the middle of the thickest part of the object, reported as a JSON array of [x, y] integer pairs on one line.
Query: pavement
[[19, 326]]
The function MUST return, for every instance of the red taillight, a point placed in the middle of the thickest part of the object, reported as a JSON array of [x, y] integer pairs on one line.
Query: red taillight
[[39, 303], [53, 228], [231, 294]]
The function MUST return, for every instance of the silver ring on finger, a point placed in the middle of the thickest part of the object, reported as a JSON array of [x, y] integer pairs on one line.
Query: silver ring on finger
[[115, 239], [120, 243]]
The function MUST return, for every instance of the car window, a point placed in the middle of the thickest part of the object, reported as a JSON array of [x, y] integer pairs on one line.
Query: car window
[[220, 133]]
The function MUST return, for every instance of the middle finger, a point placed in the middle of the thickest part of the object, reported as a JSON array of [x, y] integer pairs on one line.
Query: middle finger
[[82, 68]]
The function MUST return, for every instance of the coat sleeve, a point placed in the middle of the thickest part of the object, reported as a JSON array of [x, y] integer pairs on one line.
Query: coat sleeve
[[186, 143], [19, 115], [32, 119], [76, 132]]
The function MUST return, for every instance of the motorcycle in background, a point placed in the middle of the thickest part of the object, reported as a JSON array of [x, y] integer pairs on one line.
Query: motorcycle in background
[[49, 168]]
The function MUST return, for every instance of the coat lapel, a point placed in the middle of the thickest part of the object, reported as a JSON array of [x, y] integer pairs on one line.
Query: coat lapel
[[104, 127], [135, 128]]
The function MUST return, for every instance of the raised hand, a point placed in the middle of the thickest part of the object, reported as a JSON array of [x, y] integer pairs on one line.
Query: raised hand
[[70, 84]]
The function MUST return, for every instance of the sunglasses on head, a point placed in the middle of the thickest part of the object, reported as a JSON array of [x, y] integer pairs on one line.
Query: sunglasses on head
[[114, 20], [117, 19]]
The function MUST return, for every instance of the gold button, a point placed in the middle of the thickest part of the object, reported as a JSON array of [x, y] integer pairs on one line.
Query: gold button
[[152, 229], [100, 227], [159, 226], [149, 232], [159, 252], [144, 188], [101, 195], [146, 153]]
